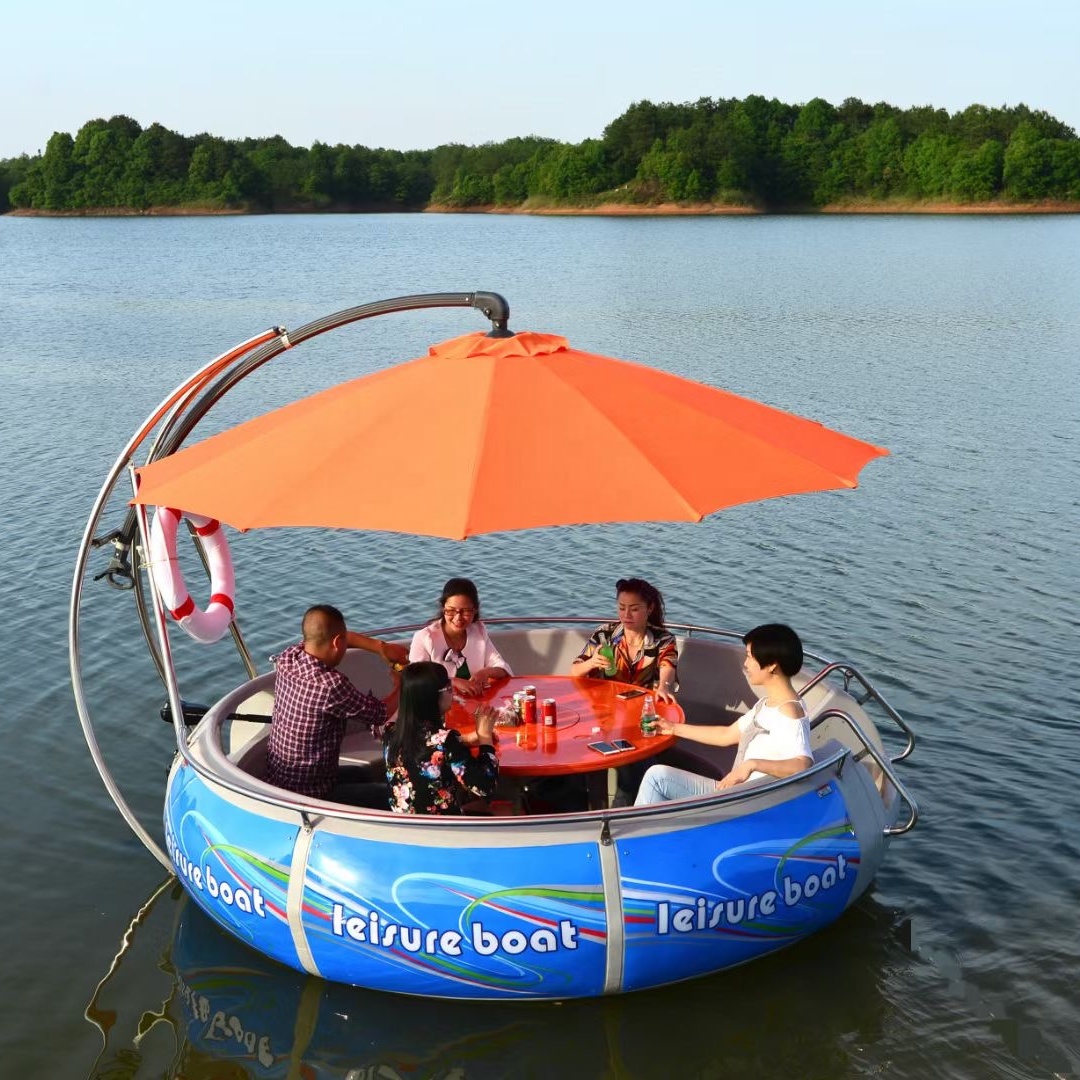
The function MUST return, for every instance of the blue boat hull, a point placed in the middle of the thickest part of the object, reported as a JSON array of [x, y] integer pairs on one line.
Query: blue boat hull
[[510, 910]]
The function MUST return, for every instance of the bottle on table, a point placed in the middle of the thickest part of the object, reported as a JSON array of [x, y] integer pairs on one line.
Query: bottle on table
[[649, 720]]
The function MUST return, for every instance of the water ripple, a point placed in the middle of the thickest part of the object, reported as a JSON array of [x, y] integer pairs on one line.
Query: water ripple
[[948, 574]]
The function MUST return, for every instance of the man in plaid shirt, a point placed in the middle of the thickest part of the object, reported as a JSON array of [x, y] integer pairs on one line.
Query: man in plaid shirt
[[312, 704]]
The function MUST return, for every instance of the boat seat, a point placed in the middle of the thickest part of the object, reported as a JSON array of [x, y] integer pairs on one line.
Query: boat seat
[[712, 690], [827, 749], [540, 652], [241, 733], [712, 687], [252, 757], [366, 751]]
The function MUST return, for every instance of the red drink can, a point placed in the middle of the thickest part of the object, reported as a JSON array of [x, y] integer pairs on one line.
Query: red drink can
[[528, 708], [548, 712]]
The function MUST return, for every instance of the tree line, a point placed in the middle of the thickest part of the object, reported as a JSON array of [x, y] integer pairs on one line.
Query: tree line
[[752, 151]]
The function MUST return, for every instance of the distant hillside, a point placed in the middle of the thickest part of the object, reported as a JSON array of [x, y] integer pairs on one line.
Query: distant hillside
[[754, 153]]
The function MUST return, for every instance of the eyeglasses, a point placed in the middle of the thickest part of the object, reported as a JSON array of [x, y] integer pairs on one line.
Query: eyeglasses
[[459, 612]]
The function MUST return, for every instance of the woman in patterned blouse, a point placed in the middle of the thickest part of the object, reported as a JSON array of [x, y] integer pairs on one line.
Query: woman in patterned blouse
[[640, 650], [430, 768], [644, 649]]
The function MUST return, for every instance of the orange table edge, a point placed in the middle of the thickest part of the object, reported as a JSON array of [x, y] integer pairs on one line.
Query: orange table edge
[[582, 705]]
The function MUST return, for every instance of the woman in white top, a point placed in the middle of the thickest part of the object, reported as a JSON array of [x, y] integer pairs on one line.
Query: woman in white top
[[458, 641], [773, 737]]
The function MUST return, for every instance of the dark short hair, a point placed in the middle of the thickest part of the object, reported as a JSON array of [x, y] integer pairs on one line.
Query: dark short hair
[[775, 643], [649, 593], [460, 586], [322, 622]]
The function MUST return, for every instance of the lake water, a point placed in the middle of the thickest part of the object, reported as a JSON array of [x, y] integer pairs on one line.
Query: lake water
[[949, 576]]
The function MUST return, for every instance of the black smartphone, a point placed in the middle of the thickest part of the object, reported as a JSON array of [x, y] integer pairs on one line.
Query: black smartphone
[[603, 748], [626, 695], [622, 744]]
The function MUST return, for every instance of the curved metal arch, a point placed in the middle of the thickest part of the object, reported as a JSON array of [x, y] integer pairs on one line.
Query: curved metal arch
[[121, 464], [178, 413]]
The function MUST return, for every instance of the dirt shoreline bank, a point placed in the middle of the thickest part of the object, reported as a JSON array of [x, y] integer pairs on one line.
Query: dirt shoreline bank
[[601, 210], [714, 209]]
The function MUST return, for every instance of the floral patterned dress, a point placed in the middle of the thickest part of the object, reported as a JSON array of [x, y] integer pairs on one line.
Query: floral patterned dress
[[447, 770]]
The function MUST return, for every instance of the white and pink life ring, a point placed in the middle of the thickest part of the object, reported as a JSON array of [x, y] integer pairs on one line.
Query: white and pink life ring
[[205, 626]]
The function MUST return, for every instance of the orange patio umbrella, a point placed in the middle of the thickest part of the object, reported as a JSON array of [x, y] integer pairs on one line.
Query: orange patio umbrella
[[489, 434]]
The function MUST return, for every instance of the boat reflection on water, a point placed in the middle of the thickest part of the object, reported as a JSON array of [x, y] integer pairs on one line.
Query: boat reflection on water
[[184, 999]]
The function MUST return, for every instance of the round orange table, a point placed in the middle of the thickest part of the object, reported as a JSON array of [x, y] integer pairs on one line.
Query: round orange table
[[588, 711]]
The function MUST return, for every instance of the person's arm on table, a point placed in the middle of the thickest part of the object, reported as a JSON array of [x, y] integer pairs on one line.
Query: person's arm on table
[[665, 686], [485, 676]]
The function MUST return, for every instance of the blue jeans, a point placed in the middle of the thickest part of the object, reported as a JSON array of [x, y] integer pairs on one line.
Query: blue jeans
[[663, 783]]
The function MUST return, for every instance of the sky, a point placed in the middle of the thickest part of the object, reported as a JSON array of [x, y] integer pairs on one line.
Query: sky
[[412, 74]]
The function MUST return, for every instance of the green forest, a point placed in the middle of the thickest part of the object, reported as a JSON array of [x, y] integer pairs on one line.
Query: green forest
[[752, 152]]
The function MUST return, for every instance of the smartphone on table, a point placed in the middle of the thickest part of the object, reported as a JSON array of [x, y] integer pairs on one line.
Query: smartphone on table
[[622, 744], [604, 747], [626, 695]]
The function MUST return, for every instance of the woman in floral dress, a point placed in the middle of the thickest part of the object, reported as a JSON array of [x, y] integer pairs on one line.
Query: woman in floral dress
[[430, 768]]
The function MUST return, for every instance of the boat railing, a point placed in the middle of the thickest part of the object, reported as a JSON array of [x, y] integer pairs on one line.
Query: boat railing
[[847, 670], [880, 760], [850, 672]]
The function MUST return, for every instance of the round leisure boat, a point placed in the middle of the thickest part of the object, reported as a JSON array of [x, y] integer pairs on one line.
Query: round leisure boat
[[529, 903]]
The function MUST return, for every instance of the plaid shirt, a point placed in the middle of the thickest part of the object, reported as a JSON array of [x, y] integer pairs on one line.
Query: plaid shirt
[[312, 703]]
